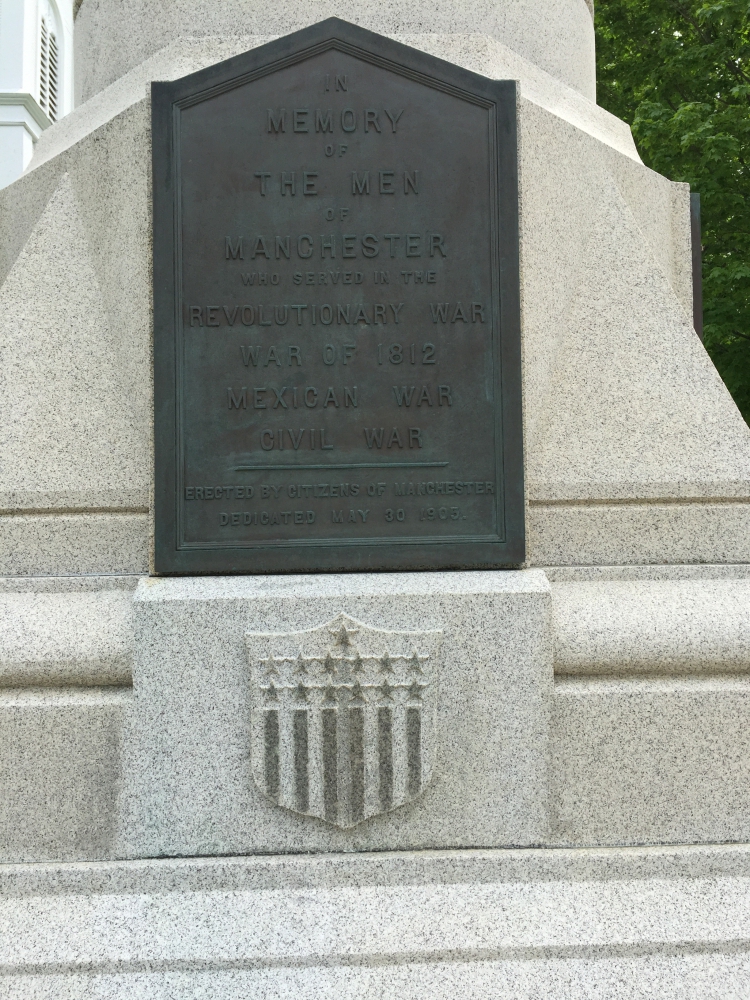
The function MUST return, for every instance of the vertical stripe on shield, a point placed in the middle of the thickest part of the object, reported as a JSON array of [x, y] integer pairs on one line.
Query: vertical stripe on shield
[[330, 764], [357, 763], [385, 757], [271, 744], [301, 766], [414, 750]]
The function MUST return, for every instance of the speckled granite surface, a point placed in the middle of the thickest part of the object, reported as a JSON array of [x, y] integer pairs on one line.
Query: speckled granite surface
[[188, 784], [619, 924]]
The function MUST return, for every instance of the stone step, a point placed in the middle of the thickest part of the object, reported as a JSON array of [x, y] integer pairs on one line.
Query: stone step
[[522, 923]]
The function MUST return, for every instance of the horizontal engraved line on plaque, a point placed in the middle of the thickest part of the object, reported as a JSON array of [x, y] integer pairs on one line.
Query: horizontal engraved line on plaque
[[343, 718]]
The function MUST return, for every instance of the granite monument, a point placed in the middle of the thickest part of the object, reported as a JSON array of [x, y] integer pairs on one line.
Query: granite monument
[[503, 753]]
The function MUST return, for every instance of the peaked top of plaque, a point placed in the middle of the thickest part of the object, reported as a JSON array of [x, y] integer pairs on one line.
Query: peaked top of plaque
[[333, 34]]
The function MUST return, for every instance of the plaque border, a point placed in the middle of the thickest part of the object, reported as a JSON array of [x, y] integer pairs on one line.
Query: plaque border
[[504, 549]]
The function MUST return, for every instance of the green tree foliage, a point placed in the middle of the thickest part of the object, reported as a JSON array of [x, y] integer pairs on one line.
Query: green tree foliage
[[678, 71]]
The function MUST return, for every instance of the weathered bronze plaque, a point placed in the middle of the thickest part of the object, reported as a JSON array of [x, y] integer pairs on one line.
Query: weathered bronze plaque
[[336, 330]]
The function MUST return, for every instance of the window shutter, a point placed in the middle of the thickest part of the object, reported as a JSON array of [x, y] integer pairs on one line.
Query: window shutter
[[44, 67], [49, 72], [54, 78]]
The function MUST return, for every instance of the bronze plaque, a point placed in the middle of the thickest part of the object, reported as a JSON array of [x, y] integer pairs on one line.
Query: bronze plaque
[[336, 332]]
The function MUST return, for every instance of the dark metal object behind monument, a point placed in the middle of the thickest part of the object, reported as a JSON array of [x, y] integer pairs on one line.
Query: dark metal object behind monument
[[697, 260], [336, 312]]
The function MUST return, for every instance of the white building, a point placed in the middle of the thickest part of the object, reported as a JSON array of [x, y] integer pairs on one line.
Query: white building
[[36, 76]]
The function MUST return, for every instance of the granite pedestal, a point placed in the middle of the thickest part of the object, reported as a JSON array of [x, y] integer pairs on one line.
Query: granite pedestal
[[189, 785]]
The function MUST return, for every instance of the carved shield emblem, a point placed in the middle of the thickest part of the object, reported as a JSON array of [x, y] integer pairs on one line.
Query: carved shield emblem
[[342, 718]]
